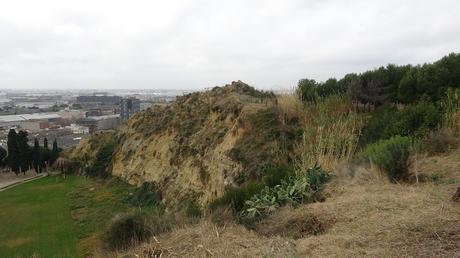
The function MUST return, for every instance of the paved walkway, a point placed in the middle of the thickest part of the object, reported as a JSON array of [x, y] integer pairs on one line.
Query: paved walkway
[[9, 180]]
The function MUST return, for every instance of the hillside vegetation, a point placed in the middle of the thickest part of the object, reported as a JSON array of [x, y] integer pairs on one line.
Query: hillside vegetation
[[364, 215], [349, 167], [201, 144]]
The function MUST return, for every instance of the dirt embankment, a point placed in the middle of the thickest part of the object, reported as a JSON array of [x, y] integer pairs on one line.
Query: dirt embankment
[[201, 144]]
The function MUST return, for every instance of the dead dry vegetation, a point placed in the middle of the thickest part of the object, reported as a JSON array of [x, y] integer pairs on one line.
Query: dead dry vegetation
[[209, 143], [364, 215]]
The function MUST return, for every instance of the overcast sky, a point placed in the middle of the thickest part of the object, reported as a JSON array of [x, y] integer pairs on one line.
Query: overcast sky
[[192, 44]]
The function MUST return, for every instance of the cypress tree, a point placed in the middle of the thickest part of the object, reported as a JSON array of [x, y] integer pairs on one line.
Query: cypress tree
[[45, 143], [36, 154], [54, 152], [3, 154], [24, 151], [13, 151], [46, 155]]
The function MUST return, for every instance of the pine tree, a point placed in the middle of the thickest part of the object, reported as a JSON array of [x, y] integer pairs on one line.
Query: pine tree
[[12, 159]]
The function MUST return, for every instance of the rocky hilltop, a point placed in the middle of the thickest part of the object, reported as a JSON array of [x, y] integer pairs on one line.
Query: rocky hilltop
[[204, 142]]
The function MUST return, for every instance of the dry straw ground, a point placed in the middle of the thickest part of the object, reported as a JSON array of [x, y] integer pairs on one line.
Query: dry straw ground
[[364, 215]]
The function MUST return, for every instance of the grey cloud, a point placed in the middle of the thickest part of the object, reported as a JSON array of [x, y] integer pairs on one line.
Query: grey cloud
[[197, 44]]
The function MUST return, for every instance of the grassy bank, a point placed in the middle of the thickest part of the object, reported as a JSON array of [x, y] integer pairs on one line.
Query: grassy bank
[[56, 217], [93, 205], [35, 219]]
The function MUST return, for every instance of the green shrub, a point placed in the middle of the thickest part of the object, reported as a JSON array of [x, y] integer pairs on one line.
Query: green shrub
[[375, 127], [126, 230], [273, 175], [414, 120], [147, 194], [390, 155], [235, 197], [103, 159], [317, 177]]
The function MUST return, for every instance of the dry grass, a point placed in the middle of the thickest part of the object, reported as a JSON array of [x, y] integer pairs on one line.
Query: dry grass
[[207, 240], [373, 218], [291, 106], [16, 242], [294, 225], [364, 215]]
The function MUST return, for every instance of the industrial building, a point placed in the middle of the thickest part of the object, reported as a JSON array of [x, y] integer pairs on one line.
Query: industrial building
[[104, 100], [31, 122], [128, 107], [100, 123]]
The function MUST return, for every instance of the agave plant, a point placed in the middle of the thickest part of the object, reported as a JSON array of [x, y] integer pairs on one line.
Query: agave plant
[[295, 190]]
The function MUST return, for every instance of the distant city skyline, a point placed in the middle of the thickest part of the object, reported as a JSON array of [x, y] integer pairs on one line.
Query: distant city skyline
[[192, 45]]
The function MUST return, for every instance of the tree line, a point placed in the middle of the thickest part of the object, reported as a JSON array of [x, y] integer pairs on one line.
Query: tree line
[[20, 156], [390, 84]]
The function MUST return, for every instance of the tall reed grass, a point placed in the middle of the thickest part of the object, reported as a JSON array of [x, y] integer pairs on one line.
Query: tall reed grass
[[451, 108], [331, 130]]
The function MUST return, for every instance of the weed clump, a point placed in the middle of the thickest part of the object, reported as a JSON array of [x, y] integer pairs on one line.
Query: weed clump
[[440, 141], [126, 230], [131, 228], [193, 210]]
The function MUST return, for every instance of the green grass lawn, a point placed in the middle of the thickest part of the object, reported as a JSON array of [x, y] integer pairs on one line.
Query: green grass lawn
[[56, 217], [93, 205], [35, 219]]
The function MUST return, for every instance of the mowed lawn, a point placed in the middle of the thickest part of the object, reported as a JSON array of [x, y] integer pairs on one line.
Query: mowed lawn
[[35, 219]]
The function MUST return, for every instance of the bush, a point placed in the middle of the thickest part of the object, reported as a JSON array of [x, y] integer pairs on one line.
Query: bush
[[375, 128], [126, 230], [317, 177], [103, 159], [275, 174], [414, 120], [147, 194], [235, 197], [390, 155]]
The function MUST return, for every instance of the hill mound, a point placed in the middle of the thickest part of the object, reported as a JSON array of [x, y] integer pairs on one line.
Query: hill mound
[[204, 142]]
